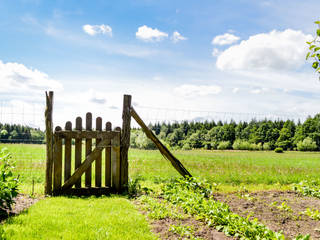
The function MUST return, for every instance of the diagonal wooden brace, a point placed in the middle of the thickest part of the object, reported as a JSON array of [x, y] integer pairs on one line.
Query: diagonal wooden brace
[[85, 165]]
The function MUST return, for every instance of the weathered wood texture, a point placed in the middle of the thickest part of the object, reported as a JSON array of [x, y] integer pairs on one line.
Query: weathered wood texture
[[108, 157], [85, 165], [125, 140], [98, 160], [116, 157], [84, 134], [78, 150], [115, 162], [164, 151], [57, 165], [67, 153], [49, 141], [88, 149]]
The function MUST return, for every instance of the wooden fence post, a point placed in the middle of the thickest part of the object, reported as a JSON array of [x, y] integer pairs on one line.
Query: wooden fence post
[[162, 148], [49, 143], [125, 141]]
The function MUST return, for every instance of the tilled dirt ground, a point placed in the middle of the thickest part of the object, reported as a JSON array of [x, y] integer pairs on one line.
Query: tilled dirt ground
[[280, 211], [266, 207], [22, 202]]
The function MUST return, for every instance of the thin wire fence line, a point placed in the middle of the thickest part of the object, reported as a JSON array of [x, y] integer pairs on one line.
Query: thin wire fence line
[[172, 115]]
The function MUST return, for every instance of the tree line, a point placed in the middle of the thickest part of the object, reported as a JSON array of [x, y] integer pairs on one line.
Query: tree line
[[253, 135], [16, 133]]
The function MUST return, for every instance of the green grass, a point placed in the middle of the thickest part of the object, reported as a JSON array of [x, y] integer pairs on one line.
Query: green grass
[[79, 218], [230, 167], [256, 169]]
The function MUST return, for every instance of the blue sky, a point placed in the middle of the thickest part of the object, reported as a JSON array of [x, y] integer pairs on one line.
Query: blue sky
[[223, 56]]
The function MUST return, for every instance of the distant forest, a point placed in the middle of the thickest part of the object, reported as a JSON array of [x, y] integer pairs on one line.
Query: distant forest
[[253, 135], [16, 133]]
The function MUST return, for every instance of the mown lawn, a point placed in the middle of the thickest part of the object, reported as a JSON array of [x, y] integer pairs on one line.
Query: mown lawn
[[79, 218]]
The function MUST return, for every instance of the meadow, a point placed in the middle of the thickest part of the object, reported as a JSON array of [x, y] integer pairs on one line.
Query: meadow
[[254, 169], [236, 175]]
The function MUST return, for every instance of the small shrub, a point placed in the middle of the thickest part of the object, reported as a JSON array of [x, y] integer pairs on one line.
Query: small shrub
[[186, 146], [224, 145], [278, 150], [8, 182], [241, 145], [307, 145]]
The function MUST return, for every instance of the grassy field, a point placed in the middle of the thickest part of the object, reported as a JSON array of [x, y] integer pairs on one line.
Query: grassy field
[[229, 168]]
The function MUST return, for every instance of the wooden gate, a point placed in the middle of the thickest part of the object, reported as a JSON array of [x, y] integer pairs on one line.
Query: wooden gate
[[72, 152]]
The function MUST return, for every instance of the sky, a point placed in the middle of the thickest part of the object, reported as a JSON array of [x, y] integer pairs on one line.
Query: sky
[[178, 59]]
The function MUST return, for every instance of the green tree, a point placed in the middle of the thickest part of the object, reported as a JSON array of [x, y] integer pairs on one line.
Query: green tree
[[314, 50]]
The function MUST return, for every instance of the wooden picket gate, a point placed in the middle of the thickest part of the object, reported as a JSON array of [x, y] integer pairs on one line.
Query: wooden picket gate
[[65, 166], [115, 144]]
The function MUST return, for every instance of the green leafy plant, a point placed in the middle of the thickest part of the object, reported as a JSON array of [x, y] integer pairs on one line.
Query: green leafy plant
[[308, 188], [284, 207], [159, 209], [312, 213], [314, 50], [184, 231], [8, 182]]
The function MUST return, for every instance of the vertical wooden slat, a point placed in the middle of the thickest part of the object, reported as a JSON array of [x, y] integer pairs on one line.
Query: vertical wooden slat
[[108, 158], [57, 167], [98, 160], [115, 161], [67, 153], [49, 143], [88, 148], [125, 140], [78, 149]]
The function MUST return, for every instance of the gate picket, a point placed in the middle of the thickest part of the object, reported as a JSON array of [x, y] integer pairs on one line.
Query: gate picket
[[78, 149], [98, 160], [88, 149], [67, 153], [108, 158], [115, 160], [57, 164]]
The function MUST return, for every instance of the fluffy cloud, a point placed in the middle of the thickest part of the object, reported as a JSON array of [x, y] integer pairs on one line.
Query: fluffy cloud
[[225, 39], [215, 52], [148, 34], [97, 29], [176, 37], [266, 51], [189, 90], [96, 97], [17, 78]]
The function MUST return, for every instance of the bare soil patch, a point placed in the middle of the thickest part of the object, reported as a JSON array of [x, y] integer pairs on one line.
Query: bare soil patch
[[266, 207], [22, 202], [201, 230]]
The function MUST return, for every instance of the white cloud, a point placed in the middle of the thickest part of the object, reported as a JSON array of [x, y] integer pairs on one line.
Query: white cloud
[[266, 51], [17, 78], [97, 29], [148, 34], [215, 52], [96, 97], [189, 90], [235, 90], [176, 37], [225, 39]]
